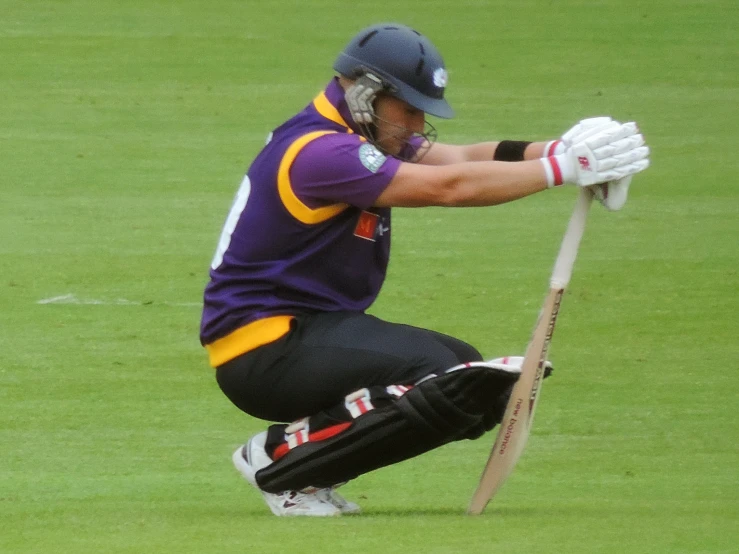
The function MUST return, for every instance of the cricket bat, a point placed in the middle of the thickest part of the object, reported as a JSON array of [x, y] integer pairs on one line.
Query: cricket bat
[[519, 415]]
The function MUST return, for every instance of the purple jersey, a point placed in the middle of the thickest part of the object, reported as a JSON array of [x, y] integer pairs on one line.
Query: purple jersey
[[302, 235]]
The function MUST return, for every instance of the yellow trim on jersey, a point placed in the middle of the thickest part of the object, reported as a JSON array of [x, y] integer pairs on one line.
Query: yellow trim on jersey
[[329, 111], [294, 205], [247, 338]]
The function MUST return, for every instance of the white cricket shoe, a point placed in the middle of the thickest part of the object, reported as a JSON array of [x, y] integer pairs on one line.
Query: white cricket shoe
[[251, 457], [345, 506]]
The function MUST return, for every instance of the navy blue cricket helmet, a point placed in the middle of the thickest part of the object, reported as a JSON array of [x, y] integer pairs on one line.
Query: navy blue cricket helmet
[[409, 65]]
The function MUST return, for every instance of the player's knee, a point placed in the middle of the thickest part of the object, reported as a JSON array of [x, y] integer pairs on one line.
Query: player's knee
[[478, 388]]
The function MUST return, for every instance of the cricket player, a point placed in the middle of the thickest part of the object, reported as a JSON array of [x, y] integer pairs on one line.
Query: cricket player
[[304, 252]]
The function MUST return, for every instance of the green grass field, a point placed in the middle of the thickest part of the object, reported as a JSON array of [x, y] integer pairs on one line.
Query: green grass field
[[125, 128]]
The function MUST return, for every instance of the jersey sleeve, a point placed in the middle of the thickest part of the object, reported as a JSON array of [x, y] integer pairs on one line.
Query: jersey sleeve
[[412, 148], [341, 168]]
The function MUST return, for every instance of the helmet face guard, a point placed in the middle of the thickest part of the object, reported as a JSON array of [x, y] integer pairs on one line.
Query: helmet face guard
[[360, 97], [414, 149]]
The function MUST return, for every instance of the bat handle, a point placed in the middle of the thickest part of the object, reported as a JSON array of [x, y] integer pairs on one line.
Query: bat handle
[[571, 241]]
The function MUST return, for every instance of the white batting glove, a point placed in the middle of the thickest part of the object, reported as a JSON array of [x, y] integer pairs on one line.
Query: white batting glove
[[611, 152], [612, 194], [579, 132]]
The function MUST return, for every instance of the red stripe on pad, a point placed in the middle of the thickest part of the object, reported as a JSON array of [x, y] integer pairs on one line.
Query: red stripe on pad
[[321, 435], [363, 406]]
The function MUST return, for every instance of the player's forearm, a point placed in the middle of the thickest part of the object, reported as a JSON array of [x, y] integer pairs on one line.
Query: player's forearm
[[479, 152], [489, 183], [534, 151], [463, 184], [444, 154]]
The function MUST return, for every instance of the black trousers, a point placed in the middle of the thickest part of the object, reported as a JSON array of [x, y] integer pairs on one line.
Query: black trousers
[[326, 356]]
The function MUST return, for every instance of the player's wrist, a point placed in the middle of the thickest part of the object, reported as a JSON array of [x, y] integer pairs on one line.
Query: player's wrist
[[553, 147], [559, 170]]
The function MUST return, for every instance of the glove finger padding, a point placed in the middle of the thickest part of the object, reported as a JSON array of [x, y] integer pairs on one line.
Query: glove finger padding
[[631, 169], [578, 132], [633, 156], [624, 161], [610, 154], [586, 128], [610, 135], [620, 146]]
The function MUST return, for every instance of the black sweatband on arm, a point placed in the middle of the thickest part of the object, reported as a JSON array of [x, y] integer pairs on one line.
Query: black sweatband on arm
[[510, 150]]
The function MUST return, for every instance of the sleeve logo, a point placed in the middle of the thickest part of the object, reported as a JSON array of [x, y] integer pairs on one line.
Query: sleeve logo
[[371, 157]]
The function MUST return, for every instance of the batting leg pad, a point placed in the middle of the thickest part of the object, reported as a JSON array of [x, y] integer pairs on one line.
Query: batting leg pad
[[378, 426]]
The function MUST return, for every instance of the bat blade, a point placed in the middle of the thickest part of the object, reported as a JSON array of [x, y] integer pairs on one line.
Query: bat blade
[[519, 415]]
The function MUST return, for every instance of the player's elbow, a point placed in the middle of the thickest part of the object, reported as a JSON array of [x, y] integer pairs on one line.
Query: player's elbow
[[416, 186], [455, 193], [447, 195]]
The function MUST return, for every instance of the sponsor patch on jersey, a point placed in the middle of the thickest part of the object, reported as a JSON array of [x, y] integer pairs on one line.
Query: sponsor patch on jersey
[[371, 157], [367, 226]]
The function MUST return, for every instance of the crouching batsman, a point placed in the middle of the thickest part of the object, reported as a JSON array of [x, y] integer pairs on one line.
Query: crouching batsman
[[304, 252]]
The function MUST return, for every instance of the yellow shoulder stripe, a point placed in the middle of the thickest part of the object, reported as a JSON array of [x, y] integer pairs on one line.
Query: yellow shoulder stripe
[[294, 205], [329, 111]]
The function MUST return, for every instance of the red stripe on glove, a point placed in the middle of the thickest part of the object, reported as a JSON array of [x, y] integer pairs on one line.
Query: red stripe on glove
[[556, 170], [551, 148]]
